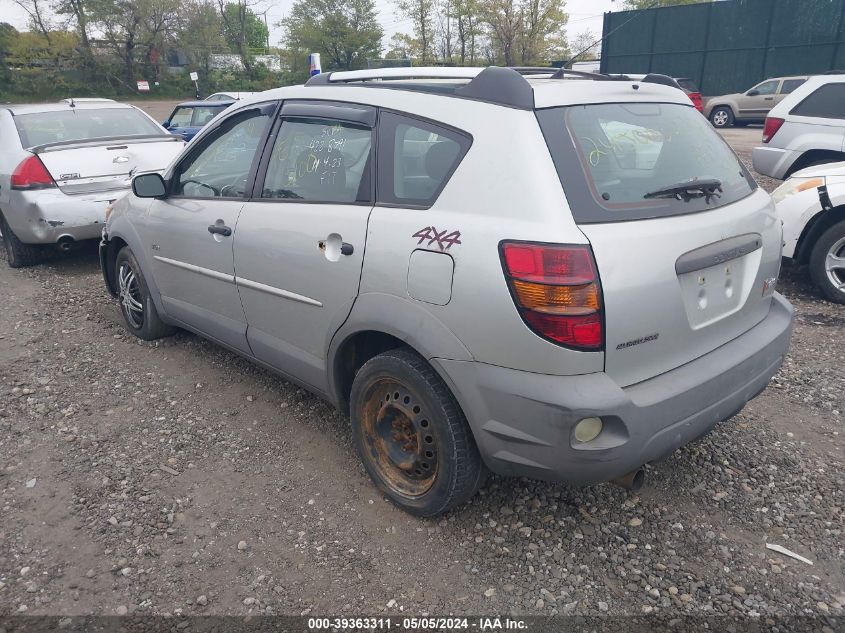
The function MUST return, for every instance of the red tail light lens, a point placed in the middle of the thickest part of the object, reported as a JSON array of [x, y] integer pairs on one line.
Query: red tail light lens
[[556, 289], [771, 128], [695, 97], [31, 174]]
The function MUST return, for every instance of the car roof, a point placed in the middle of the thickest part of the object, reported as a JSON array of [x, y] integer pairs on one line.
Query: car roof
[[205, 104], [65, 105], [522, 88]]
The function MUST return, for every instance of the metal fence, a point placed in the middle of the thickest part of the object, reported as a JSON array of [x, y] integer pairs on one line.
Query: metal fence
[[727, 46]]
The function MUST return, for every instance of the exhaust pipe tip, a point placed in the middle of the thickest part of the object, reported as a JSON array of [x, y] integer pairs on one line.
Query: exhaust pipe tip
[[633, 481], [65, 243]]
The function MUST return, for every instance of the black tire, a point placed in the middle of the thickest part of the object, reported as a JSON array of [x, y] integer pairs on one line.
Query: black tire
[[830, 243], [136, 304], [19, 254], [401, 409], [722, 117]]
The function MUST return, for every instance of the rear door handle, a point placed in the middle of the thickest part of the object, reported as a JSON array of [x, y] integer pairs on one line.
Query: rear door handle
[[220, 229]]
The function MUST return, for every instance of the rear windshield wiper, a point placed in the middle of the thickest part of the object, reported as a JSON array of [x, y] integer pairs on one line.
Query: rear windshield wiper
[[686, 191]]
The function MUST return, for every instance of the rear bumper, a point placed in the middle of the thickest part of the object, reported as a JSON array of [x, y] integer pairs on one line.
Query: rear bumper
[[773, 161], [523, 423], [45, 216]]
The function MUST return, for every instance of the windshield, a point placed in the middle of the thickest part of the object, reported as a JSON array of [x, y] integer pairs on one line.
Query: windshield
[[81, 125], [612, 158]]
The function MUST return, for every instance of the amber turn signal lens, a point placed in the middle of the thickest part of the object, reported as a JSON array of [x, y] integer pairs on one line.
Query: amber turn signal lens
[[557, 299]]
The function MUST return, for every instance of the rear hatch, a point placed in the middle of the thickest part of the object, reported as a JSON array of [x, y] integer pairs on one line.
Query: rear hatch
[[89, 150], [687, 247]]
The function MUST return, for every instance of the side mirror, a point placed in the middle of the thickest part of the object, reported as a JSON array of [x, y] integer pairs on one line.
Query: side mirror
[[165, 124], [752, 93], [149, 186]]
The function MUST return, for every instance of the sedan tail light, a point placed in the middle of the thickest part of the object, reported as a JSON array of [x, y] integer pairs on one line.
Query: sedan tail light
[[31, 174], [771, 128], [556, 290]]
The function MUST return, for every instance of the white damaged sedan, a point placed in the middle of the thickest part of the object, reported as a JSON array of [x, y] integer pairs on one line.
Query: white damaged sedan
[[811, 204]]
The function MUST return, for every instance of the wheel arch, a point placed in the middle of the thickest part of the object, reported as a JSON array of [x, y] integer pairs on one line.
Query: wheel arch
[[380, 322], [817, 225], [812, 156]]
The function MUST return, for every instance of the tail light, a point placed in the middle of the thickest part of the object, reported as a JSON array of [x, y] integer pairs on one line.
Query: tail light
[[771, 128], [695, 97], [556, 289], [31, 174]]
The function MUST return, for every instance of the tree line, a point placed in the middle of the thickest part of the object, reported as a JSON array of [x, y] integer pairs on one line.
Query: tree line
[[104, 47]]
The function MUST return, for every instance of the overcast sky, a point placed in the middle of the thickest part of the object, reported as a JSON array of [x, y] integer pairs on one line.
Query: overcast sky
[[583, 15]]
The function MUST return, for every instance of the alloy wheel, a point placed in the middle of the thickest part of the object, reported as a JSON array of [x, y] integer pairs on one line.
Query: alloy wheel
[[129, 293], [834, 264]]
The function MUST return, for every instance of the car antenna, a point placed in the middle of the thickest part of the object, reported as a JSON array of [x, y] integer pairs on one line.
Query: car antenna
[[72, 104]]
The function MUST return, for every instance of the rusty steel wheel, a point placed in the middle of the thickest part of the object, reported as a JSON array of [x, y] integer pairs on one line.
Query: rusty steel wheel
[[411, 435], [397, 435]]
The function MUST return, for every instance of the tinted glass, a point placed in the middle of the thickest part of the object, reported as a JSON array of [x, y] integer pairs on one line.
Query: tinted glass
[[417, 159], [320, 161], [205, 114], [828, 102], [80, 125], [181, 117], [688, 85], [767, 87], [789, 85], [610, 156], [220, 167]]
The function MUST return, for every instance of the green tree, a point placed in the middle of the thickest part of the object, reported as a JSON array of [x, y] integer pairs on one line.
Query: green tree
[[201, 33], [585, 46], [402, 46], [650, 4], [421, 14], [242, 29], [345, 32], [77, 11]]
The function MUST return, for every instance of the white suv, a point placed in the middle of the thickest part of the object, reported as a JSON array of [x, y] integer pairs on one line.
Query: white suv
[[485, 270], [805, 129]]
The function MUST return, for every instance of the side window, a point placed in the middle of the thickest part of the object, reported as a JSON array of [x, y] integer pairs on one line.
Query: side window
[[416, 159], [220, 167], [321, 161], [789, 85], [181, 117], [767, 87], [828, 102], [204, 115]]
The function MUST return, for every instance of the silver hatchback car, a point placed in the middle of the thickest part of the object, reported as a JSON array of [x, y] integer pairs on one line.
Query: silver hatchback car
[[485, 269]]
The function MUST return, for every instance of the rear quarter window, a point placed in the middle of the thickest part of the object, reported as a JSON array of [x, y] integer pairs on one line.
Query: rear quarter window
[[827, 102], [416, 159], [611, 158]]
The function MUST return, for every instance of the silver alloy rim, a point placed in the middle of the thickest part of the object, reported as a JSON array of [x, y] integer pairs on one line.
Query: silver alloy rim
[[720, 118], [129, 292], [834, 265]]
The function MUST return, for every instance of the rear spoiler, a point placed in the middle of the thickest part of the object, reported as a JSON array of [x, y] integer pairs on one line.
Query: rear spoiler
[[103, 140]]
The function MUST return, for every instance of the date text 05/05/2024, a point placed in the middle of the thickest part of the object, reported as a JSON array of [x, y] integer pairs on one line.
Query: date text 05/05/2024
[[416, 624]]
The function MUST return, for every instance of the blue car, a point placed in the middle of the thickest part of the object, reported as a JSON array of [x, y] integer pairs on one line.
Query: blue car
[[189, 117]]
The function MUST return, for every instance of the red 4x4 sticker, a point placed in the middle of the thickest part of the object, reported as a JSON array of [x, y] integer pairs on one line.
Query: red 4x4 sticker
[[444, 241]]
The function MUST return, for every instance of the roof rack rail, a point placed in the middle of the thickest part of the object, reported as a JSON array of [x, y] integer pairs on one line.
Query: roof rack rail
[[560, 73], [493, 84]]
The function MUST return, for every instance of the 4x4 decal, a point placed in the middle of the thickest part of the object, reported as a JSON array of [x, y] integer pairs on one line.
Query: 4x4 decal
[[444, 241]]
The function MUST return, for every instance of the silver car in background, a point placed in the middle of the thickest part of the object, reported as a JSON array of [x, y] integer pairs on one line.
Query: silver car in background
[[805, 129], [62, 164]]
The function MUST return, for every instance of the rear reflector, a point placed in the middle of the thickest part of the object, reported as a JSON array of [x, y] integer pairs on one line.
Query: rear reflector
[[556, 290], [31, 174], [771, 128]]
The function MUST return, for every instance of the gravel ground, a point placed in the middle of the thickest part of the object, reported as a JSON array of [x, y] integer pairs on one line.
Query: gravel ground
[[175, 478]]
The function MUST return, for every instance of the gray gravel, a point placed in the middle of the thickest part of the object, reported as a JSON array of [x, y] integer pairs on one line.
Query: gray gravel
[[175, 478]]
